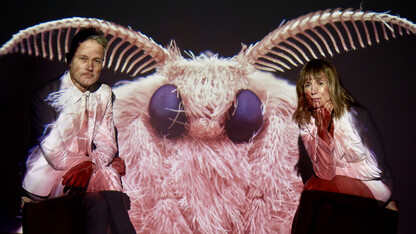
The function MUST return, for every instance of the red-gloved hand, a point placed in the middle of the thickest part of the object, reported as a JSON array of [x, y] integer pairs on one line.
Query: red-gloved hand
[[118, 164], [324, 121], [77, 178]]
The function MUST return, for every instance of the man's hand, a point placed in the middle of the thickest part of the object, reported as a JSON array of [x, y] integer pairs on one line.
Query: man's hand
[[118, 164], [77, 178]]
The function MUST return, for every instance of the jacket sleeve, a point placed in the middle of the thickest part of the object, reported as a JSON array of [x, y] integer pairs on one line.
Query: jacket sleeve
[[320, 153], [104, 142], [371, 138], [46, 134], [54, 149]]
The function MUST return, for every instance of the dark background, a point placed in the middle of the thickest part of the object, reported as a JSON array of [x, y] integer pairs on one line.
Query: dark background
[[382, 77]]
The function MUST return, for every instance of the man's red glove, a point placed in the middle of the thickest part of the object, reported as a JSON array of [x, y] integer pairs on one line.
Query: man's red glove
[[77, 178]]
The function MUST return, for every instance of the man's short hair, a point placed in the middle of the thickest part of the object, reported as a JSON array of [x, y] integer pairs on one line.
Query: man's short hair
[[83, 35]]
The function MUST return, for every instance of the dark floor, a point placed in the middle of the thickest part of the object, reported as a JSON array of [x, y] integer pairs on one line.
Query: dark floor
[[10, 223]]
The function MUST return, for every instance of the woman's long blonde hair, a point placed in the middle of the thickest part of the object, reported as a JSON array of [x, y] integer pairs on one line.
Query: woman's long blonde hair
[[320, 69]]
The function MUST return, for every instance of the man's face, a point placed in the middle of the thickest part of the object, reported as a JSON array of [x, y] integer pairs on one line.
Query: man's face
[[86, 65]]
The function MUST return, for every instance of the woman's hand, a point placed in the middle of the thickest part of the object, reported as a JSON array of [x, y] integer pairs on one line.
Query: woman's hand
[[324, 121], [118, 164]]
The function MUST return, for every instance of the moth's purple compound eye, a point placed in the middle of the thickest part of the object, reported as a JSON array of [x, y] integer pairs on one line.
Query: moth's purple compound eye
[[166, 112], [244, 117]]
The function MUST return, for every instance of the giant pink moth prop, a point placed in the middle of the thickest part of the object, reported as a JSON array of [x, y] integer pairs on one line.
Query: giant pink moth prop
[[208, 142]]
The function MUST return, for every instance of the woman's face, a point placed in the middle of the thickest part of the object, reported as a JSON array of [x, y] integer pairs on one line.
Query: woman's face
[[316, 92]]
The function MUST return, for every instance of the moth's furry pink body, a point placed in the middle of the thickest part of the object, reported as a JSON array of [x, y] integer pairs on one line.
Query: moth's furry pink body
[[202, 182]]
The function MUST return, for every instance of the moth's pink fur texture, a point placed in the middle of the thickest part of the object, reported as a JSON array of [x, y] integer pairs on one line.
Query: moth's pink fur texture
[[202, 182]]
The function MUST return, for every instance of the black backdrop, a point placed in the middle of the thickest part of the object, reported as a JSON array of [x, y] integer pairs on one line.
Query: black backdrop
[[381, 77]]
